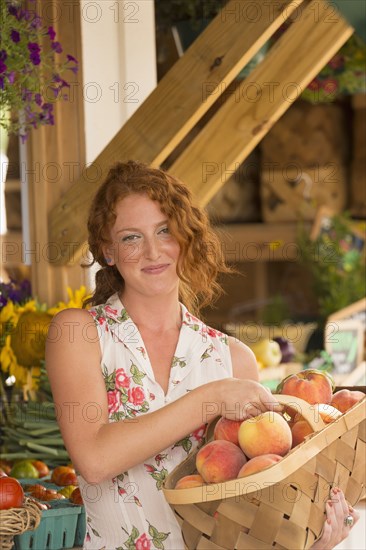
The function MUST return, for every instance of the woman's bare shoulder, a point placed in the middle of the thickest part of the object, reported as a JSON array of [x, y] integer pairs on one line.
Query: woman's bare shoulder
[[243, 360]]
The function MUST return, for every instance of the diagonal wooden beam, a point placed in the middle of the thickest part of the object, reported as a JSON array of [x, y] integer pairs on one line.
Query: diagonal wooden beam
[[244, 119], [181, 98]]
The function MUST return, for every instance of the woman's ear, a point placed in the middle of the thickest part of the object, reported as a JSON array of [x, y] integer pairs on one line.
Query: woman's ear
[[109, 254]]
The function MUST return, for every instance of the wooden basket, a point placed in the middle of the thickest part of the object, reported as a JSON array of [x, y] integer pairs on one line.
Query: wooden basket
[[282, 506], [16, 521]]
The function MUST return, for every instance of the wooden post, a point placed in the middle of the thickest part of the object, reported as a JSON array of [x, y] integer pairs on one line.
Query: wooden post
[[55, 157]]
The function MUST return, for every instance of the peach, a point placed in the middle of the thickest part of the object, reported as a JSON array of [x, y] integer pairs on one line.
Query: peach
[[300, 430], [312, 385], [267, 433], [345, 399], [186, 482], [219, 461], [258, 463], [227, 429]]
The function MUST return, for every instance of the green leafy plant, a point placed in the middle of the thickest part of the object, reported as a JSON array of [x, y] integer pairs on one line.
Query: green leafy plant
[[336, 261], [30, 69]]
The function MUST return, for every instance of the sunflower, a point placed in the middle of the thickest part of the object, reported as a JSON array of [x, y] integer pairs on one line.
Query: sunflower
[[23, 332]]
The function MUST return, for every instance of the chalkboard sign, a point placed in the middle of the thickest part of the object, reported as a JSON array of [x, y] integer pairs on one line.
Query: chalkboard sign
[[344, 341]]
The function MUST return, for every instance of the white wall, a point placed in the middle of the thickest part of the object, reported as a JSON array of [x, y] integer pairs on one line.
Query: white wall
[[119, 65]]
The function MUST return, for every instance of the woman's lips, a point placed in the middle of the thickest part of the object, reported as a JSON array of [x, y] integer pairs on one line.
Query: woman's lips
[[155, 269]]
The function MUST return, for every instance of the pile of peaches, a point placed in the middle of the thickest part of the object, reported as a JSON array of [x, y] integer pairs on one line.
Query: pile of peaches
[[241, 448]]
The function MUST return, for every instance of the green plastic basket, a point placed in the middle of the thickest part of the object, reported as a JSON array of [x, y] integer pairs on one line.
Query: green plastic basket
[[56, 531]]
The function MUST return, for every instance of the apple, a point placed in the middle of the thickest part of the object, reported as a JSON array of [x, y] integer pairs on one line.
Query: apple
[[267, 352]]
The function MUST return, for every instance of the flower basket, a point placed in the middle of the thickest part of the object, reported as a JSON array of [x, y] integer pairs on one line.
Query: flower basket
[[16, 521], [282, 506]]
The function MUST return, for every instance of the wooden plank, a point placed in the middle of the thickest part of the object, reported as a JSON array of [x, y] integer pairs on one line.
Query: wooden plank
[[53, 154], [181, 98], [260, 242], [239, 125]]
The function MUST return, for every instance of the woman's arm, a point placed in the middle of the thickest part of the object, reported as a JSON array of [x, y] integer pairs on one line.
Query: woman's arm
[[100, 449]]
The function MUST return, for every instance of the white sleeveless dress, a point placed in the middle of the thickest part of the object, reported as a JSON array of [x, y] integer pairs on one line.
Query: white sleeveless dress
[[130, 511]]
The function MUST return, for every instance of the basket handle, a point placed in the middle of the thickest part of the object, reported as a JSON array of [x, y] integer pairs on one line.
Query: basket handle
[[307, 411]]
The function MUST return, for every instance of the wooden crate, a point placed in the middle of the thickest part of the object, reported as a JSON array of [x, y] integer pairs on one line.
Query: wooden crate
[[296, 193]]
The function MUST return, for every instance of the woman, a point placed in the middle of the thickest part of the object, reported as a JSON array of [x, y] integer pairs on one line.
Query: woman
[[136, 377]]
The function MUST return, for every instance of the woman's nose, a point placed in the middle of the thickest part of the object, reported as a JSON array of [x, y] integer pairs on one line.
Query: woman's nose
[[151, 248]]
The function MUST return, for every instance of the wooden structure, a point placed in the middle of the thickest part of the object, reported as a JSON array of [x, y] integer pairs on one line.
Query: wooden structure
[[183, 96]]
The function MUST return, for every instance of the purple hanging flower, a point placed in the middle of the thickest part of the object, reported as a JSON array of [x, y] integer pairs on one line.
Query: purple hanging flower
[[11, 77], [33, 47], [3, 67], [36, 23], [38, 99], [12, 10], [15, 36], [35, 58], [56, 46], [3, 55], [1, 83], [71, 58], [51, 33]]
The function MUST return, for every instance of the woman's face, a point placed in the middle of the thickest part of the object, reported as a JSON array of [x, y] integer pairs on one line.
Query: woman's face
[[142, 248]]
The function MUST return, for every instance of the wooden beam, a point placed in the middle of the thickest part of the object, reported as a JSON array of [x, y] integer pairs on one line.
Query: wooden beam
[[181, 98], [232, 133], [260, 242]]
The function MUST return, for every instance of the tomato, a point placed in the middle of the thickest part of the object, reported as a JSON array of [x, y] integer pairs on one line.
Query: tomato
[[36, 490], [59, 470], [11, 493], [51, 494], [24, 469], [66, 491], [76, 497], [67, 478], [43, 469]]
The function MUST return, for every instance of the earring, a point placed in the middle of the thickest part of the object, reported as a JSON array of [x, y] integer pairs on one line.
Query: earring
[[108, 260]]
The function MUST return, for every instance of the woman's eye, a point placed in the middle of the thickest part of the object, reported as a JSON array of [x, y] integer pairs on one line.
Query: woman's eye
[[129, 238], [164, 230]]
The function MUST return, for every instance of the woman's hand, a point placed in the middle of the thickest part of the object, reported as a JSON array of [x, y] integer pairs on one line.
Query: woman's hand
[[336, 528], [239, 399]]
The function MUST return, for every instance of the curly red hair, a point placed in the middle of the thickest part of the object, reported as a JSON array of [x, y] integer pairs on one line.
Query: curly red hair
[[201, 259]]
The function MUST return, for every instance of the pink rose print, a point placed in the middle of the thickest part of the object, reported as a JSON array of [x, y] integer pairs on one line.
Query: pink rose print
[[122, 380], [143, 543], [114, 401], [136, 396], [149, 468], [211, 332], [152, 396], [110, 310], [101, 320], [198, 434]]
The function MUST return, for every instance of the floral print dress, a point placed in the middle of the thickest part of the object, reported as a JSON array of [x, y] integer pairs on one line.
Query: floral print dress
[[130, 511]]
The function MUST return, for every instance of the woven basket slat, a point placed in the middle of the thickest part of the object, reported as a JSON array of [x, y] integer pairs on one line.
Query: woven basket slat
[[226, 532], [271, 518], [243, 515], [206, 544], [291, 535], [282, 507], [300, 510], [192, 535], [247, 542], [197, 518]]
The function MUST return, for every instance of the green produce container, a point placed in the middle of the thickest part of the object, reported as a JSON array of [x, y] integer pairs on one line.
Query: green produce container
[[56, 531]]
